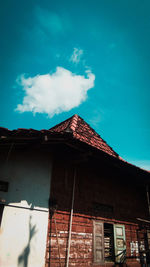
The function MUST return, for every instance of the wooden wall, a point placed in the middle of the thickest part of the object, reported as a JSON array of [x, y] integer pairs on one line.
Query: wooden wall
[[94, 184]]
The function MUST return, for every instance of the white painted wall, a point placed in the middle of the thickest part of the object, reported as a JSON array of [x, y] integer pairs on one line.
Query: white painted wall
[[24, 226]]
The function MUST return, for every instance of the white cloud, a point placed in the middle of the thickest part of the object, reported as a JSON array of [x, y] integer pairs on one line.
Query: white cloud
[[76, 55], [55, 93]]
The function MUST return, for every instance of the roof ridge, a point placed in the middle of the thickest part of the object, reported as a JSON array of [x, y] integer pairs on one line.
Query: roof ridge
[[73, 122], [82, 131], [60, 123], [98, 135]]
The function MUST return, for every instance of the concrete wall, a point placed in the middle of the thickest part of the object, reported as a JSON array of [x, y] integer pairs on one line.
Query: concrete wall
[[25, 218]]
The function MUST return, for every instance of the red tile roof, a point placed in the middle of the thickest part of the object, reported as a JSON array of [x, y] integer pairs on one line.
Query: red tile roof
[[83, 132], [77, 128]]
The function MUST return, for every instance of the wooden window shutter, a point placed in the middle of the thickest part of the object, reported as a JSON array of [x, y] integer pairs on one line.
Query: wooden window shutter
[[119, 238], [148, 239], [98, 240]]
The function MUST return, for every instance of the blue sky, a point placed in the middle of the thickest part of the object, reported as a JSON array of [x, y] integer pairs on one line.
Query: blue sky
[[91, 58]]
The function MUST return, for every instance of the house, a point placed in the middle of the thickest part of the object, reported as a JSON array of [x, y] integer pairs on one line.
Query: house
[[68, 199]]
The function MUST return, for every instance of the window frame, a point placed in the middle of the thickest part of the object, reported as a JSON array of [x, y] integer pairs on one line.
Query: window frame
[[102, 223]]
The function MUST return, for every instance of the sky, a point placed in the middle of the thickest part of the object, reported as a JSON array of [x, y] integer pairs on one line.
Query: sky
[[91, 58]]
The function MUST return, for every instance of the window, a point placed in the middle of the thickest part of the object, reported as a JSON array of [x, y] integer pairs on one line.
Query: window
[[109, 241]]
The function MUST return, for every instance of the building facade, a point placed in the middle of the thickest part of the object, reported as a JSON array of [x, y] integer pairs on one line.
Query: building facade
[[68, 199]]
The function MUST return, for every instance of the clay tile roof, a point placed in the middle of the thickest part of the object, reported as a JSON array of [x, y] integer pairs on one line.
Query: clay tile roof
[[83, 132]]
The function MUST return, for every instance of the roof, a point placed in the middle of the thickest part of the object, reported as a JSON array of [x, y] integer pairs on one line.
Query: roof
[[74, 128], [82, 131]]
